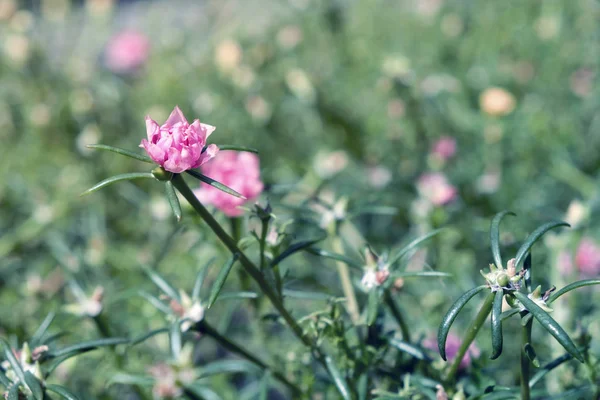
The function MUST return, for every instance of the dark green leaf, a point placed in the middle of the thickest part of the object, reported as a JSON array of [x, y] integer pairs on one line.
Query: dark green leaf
[[123, 152], [550, 325], [497, 325], [264, 386], [175, 339], [549, 367], [495, 236], [340, 382], [14, 363], [118, 178], [338, 257], [162, 284], [228, 367], [147, 335], [451, 315], [237, 296], [372, 306], [34, 385], [41, 330], [533, 237], [173, 200], [509, 313], [527, 269], [220, 281], [214, 183], [572, 286], [201, 392], [530, 353], [200, 280], [300, 294], [87, 346], [377, 210], [525, 320], [62, 392], [3, 379], [237, 148], [13, 393], [412, 245], [295, 247], [409, 349]]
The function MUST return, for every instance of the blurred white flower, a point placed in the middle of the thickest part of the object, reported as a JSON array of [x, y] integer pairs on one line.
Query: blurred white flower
[[228, 55], [16, 48], [329, 163], [300, 85], [289, 37], [379, 176]]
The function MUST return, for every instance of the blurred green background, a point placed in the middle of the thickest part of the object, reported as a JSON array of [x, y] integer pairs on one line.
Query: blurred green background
[[514, 83]]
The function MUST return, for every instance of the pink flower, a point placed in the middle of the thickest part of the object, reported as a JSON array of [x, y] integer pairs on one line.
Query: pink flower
[[126, 51], [238, 170], [587, 257], [176, 145], [436, 188], [453, 343], [444, 148], [564, 262]]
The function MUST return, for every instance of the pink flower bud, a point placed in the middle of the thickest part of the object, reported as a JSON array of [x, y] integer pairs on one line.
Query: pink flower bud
[[238, 170], [436, 188], [587, 257], [176, 145], [444, 148], [126, 51]]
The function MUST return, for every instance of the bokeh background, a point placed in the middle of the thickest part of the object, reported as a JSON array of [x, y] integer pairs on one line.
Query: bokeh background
[[354, 93]]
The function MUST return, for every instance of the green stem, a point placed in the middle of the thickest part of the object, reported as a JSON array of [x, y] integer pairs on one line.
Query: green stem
[[525, 362], [263, 239], [397, 313], [248, 265], [204, 327], [477, 323], [348, 289]]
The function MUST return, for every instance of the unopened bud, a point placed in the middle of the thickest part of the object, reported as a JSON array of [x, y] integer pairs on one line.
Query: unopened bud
[[161, 174]]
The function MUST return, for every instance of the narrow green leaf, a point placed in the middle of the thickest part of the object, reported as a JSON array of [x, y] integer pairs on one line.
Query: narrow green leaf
[[156, 302], [422, 274], [264, 386], [228, 367], [220, 281], [338, 257], [340, 382], [525, 320], [4, 380], [372, 306], [61, 391], [123, 152], [497, 325], [175, 339], [34, 386], [451, 315], [13, 393], [363, 386], [409, 349], [237, 148], [572, 286], [41, 330], [214, 183], [294, 248], [87, 346], [301, 294], [162, 284], [530, 353], [550, 325], [495, 236], [130, 379], [200, 279], [533, 237], [118, 178], [201, 392], [237, 296], [14, 363], [173, 200], [527, 269], [412, 245], [147, 335], [376, 210], [549, 367]]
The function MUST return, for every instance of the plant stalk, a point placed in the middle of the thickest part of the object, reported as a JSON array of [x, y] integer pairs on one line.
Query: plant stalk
[[397, 313], [204, 327], [348, 289], [525, 362], [477, 323]]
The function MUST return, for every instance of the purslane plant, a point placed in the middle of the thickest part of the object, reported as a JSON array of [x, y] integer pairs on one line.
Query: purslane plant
[[505, 282]]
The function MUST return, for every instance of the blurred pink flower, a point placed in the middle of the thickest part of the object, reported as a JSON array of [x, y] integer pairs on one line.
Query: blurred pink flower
[[436, 188], [238, 170], [444, 148], [453, 343], [176, 145], [127, 51], [564, 262], [587, 257]]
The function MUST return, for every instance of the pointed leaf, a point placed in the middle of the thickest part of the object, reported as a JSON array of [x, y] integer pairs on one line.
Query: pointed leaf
[[118, 178], [87, 346], [156, 302], [264, 386], [162, 284], [451, 315], [13, 393], [412, 245], [527, 269], [533, 237], [497, 325], [14, 363], [61, 391], [495, 236], [549, 367], [34, 386], [41, 330], [213, 183], [301, 294], [173, 200], [220, 281], [228, 367], [525, 319], [422, 274], [200, 280], [338, 257], [4, 380], [409, 349], [530, 353], [294, 248], [340, 382], [237, 296], [550, 325], [237, 148], [572, 286], [123, 152], [509, 313], [175, 339], [201, 392], [147, 335], [372, 306]]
